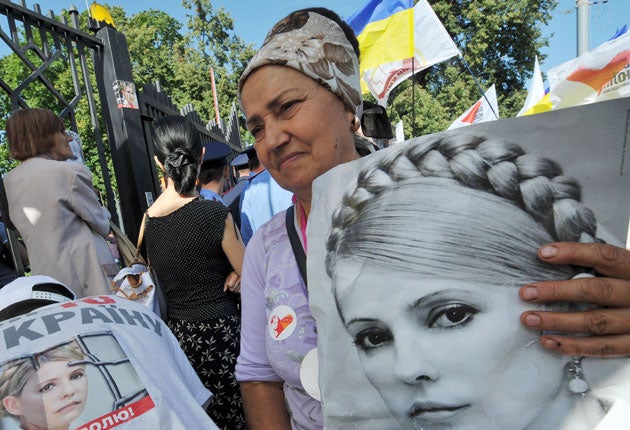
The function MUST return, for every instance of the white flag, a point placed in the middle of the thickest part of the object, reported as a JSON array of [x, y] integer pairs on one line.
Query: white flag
[[536, 90], [601, 74], [486, 109], [400, 131], [432, 45]]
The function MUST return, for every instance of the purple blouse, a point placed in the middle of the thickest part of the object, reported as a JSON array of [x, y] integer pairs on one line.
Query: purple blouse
[[278, 329]]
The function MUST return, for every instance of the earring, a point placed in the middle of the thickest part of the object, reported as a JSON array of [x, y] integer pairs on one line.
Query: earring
[[577, 384], [354, 124]]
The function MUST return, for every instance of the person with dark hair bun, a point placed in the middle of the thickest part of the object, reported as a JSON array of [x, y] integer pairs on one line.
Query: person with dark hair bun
[[197, 255]]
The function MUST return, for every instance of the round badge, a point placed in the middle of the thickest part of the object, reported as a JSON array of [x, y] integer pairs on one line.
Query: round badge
[[282, 322], [308, 374]]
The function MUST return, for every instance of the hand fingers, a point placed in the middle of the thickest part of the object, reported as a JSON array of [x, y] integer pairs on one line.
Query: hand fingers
[[601, 291], [601, 346], [232, 284], [606, 259], [609, 326], [602, 321]]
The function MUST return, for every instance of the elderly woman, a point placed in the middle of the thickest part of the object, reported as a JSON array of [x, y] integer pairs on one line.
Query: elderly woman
[[301, 97], [54, 207], [46, 391], [415, 301]]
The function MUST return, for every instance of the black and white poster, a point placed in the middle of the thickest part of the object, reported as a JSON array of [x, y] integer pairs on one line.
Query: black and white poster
[[416, 254]]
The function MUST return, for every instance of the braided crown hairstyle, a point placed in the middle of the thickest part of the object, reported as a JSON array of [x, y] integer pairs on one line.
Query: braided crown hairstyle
[[434, 182], [177, 145]]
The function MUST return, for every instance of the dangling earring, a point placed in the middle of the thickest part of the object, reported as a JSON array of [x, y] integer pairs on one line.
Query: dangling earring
[[577, 383], [354, 124]]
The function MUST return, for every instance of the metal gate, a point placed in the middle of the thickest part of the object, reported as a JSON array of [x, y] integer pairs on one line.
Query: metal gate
[[120, 115]]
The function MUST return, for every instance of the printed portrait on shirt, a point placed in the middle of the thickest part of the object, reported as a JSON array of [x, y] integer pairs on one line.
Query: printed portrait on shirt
[[72, 385]]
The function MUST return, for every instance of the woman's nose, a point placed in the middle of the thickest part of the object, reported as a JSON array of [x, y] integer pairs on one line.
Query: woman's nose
[[414, 365], [67, 389], [276, 134]]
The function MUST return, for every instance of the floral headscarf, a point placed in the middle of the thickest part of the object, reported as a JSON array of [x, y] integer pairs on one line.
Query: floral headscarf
[[316, 46]]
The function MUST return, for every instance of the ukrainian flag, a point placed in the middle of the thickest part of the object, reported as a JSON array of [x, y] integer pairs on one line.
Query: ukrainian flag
[[384, 29]]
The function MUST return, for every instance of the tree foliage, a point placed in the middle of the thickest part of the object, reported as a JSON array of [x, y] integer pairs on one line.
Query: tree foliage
[[498, 39]]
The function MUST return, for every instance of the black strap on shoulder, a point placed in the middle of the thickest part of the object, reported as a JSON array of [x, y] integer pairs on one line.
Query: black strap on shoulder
[[296, 245]]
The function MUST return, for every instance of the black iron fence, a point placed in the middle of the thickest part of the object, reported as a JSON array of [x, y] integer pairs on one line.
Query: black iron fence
[[41, 47]]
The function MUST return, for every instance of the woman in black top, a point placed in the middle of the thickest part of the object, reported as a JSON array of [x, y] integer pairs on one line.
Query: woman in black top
[[194, 246]]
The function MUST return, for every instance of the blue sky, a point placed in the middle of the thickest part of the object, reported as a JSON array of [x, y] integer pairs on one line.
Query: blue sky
[[253, 18]]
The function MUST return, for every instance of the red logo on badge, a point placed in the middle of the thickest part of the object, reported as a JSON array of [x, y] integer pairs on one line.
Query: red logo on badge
[[280, 324]]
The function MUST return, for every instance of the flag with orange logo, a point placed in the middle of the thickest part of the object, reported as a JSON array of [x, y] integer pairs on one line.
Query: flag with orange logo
[[601, 74], [485, 109]]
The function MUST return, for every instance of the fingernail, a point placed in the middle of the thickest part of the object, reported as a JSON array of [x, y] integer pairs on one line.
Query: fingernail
[[531, 293], [548, 251], [532, 320], [551, 344]]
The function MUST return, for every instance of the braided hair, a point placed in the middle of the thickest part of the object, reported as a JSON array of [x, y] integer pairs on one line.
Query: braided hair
[[488, 203], [177, 145]]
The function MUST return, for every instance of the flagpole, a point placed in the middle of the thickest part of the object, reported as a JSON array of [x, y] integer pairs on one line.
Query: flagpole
[[413, 98], [483, 93]]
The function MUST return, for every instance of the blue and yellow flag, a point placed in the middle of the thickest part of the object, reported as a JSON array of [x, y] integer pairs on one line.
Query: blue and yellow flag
[[100, 13], [384, 29]]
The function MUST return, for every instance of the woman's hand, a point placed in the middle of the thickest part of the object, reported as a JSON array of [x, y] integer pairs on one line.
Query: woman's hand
[[232, 283], [607, 329]]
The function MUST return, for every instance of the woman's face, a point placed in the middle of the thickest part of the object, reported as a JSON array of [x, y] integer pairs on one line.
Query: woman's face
[[447, 353], [301, 129], [53, 397], [61, 151]]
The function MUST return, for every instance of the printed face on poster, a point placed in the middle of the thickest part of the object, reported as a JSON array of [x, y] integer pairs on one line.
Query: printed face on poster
[[419, 251], [125, 93], [84, 382]]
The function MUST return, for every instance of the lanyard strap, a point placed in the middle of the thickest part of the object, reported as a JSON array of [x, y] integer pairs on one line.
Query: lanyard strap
[[296, 245]]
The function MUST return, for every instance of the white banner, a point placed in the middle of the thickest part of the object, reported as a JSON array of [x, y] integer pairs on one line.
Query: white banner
[[486, 109], [602, 74], [536, 90]]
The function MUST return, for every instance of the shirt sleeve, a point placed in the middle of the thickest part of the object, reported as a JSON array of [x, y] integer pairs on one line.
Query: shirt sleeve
[[85, 204], [246, 227], [201, 394], [252, 363]]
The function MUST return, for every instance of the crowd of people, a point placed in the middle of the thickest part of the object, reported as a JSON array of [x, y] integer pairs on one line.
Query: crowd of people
[[237, 296]]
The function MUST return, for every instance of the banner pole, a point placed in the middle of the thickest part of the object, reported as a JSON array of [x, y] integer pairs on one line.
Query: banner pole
[[483, 93], [413, 98]]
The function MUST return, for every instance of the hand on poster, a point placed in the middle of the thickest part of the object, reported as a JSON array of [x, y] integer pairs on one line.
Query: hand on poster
[[608, 327]]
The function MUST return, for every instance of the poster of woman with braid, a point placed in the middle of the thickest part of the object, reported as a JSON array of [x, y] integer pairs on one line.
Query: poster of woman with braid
[[423, 254]]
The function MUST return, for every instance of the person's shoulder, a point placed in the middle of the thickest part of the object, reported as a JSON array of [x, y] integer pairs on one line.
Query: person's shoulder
[[209, 206], [273, 231], [263, 176]]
